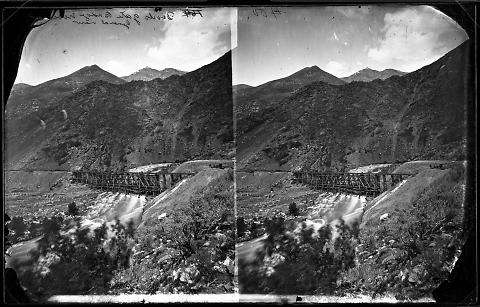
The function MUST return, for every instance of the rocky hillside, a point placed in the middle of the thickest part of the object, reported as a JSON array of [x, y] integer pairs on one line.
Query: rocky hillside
[[368, 74], [417, 116], [107, 125], [147, 74]]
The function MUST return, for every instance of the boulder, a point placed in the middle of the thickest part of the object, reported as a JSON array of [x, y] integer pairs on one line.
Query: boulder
[[384, 217]]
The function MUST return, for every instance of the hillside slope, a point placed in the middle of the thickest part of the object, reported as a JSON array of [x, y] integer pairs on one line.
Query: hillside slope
[[417, 116]]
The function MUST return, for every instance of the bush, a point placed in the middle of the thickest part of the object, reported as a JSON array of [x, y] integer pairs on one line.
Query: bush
[[293, 209]]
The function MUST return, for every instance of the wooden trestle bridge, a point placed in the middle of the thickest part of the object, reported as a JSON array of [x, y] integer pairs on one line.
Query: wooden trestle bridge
[[155, 183], [352, 183], [127, 182]]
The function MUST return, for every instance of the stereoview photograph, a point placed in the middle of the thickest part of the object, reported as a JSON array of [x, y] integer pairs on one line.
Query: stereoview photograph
[[246, 154]]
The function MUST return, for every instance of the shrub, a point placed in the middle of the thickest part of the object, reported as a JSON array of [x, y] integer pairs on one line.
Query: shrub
[[241, 226], [293, 209]]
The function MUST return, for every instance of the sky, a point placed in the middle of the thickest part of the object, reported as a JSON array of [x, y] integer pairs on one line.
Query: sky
[[340, 40], [64, 45], [271, 42]]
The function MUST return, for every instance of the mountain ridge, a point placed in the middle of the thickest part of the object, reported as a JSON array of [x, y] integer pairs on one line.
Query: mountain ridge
[[148, 73], [368, 74], [113, 126]]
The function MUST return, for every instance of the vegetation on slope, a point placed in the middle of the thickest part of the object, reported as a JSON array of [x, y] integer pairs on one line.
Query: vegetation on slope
[[412, 251], [195, 254]]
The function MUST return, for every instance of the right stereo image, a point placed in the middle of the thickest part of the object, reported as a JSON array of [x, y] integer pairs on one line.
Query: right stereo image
[[352, 155]]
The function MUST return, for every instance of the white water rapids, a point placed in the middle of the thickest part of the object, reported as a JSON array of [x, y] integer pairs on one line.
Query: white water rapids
[[328, 208], [106, 208]]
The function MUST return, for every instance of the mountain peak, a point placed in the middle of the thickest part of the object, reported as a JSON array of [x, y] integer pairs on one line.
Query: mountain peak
[[91, 68], [313, 68], [91, 73], [308, 70], [314, 73]]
